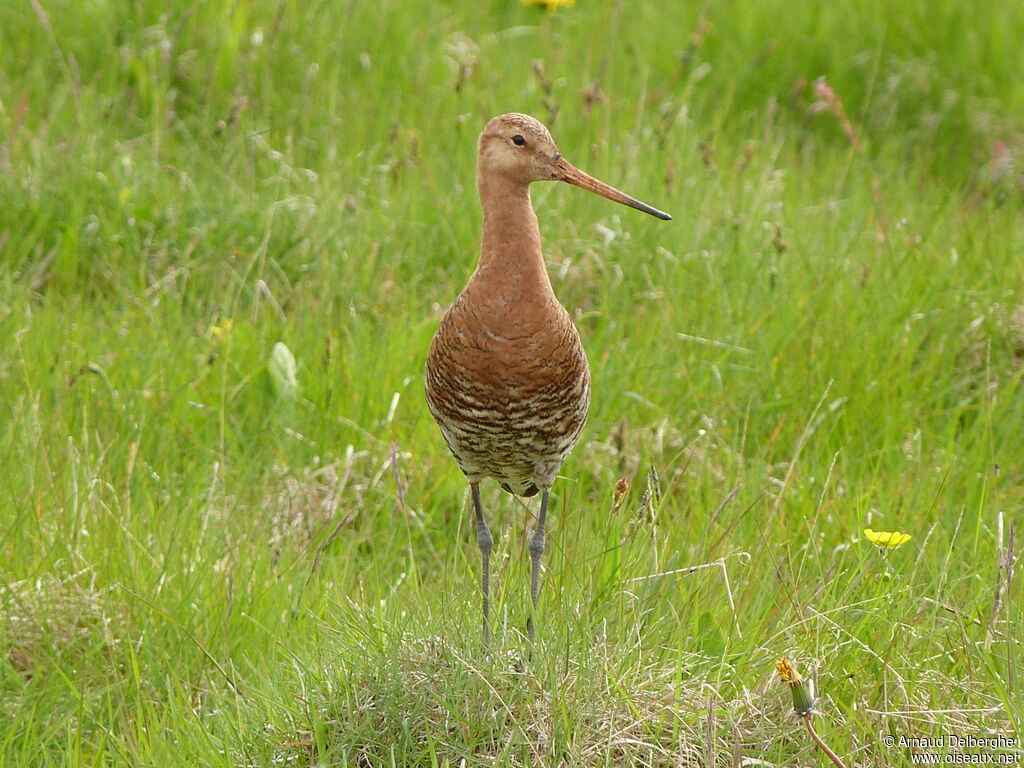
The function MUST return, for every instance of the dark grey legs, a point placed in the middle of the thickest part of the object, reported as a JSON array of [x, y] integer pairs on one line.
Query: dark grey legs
[[484, 541], [536, 550]]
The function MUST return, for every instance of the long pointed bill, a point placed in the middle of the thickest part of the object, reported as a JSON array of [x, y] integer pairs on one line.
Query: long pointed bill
[[566, 171]]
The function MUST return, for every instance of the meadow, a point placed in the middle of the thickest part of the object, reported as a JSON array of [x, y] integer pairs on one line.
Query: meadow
[[230, 532]]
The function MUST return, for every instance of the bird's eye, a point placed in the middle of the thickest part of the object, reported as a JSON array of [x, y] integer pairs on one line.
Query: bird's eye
[[518, 140]]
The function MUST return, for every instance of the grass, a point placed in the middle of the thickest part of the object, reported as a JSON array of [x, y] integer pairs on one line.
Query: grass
[[198, 569]]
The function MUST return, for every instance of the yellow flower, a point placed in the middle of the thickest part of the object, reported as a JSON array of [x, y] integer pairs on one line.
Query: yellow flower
[[787, 671], [551, 5], [219, 331], [802, 690], [891, 539]]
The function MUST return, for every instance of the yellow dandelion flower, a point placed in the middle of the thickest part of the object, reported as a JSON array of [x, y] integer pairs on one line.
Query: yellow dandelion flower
[[219, 331], [802, 690], [891, 539], [787, 671], [550, 5]]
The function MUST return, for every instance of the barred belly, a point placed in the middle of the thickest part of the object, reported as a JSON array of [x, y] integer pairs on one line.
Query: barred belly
[[514, 423]]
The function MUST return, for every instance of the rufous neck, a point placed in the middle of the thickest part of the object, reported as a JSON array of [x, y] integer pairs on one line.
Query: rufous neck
[[510, 250]]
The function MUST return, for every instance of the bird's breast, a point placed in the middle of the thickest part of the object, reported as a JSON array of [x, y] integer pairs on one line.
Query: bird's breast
[[509, 389], [509, 352]]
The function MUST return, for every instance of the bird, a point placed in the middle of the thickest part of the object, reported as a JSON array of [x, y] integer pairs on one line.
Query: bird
[[507, 379]]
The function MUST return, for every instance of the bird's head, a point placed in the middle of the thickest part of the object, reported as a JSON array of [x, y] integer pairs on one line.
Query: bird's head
[[519, 148]]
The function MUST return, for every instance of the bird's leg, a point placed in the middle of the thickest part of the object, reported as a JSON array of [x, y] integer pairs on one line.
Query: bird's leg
[[536, 550], [484, 541]]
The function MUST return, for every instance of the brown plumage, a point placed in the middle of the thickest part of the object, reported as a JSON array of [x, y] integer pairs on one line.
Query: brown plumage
[[507, 378]]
